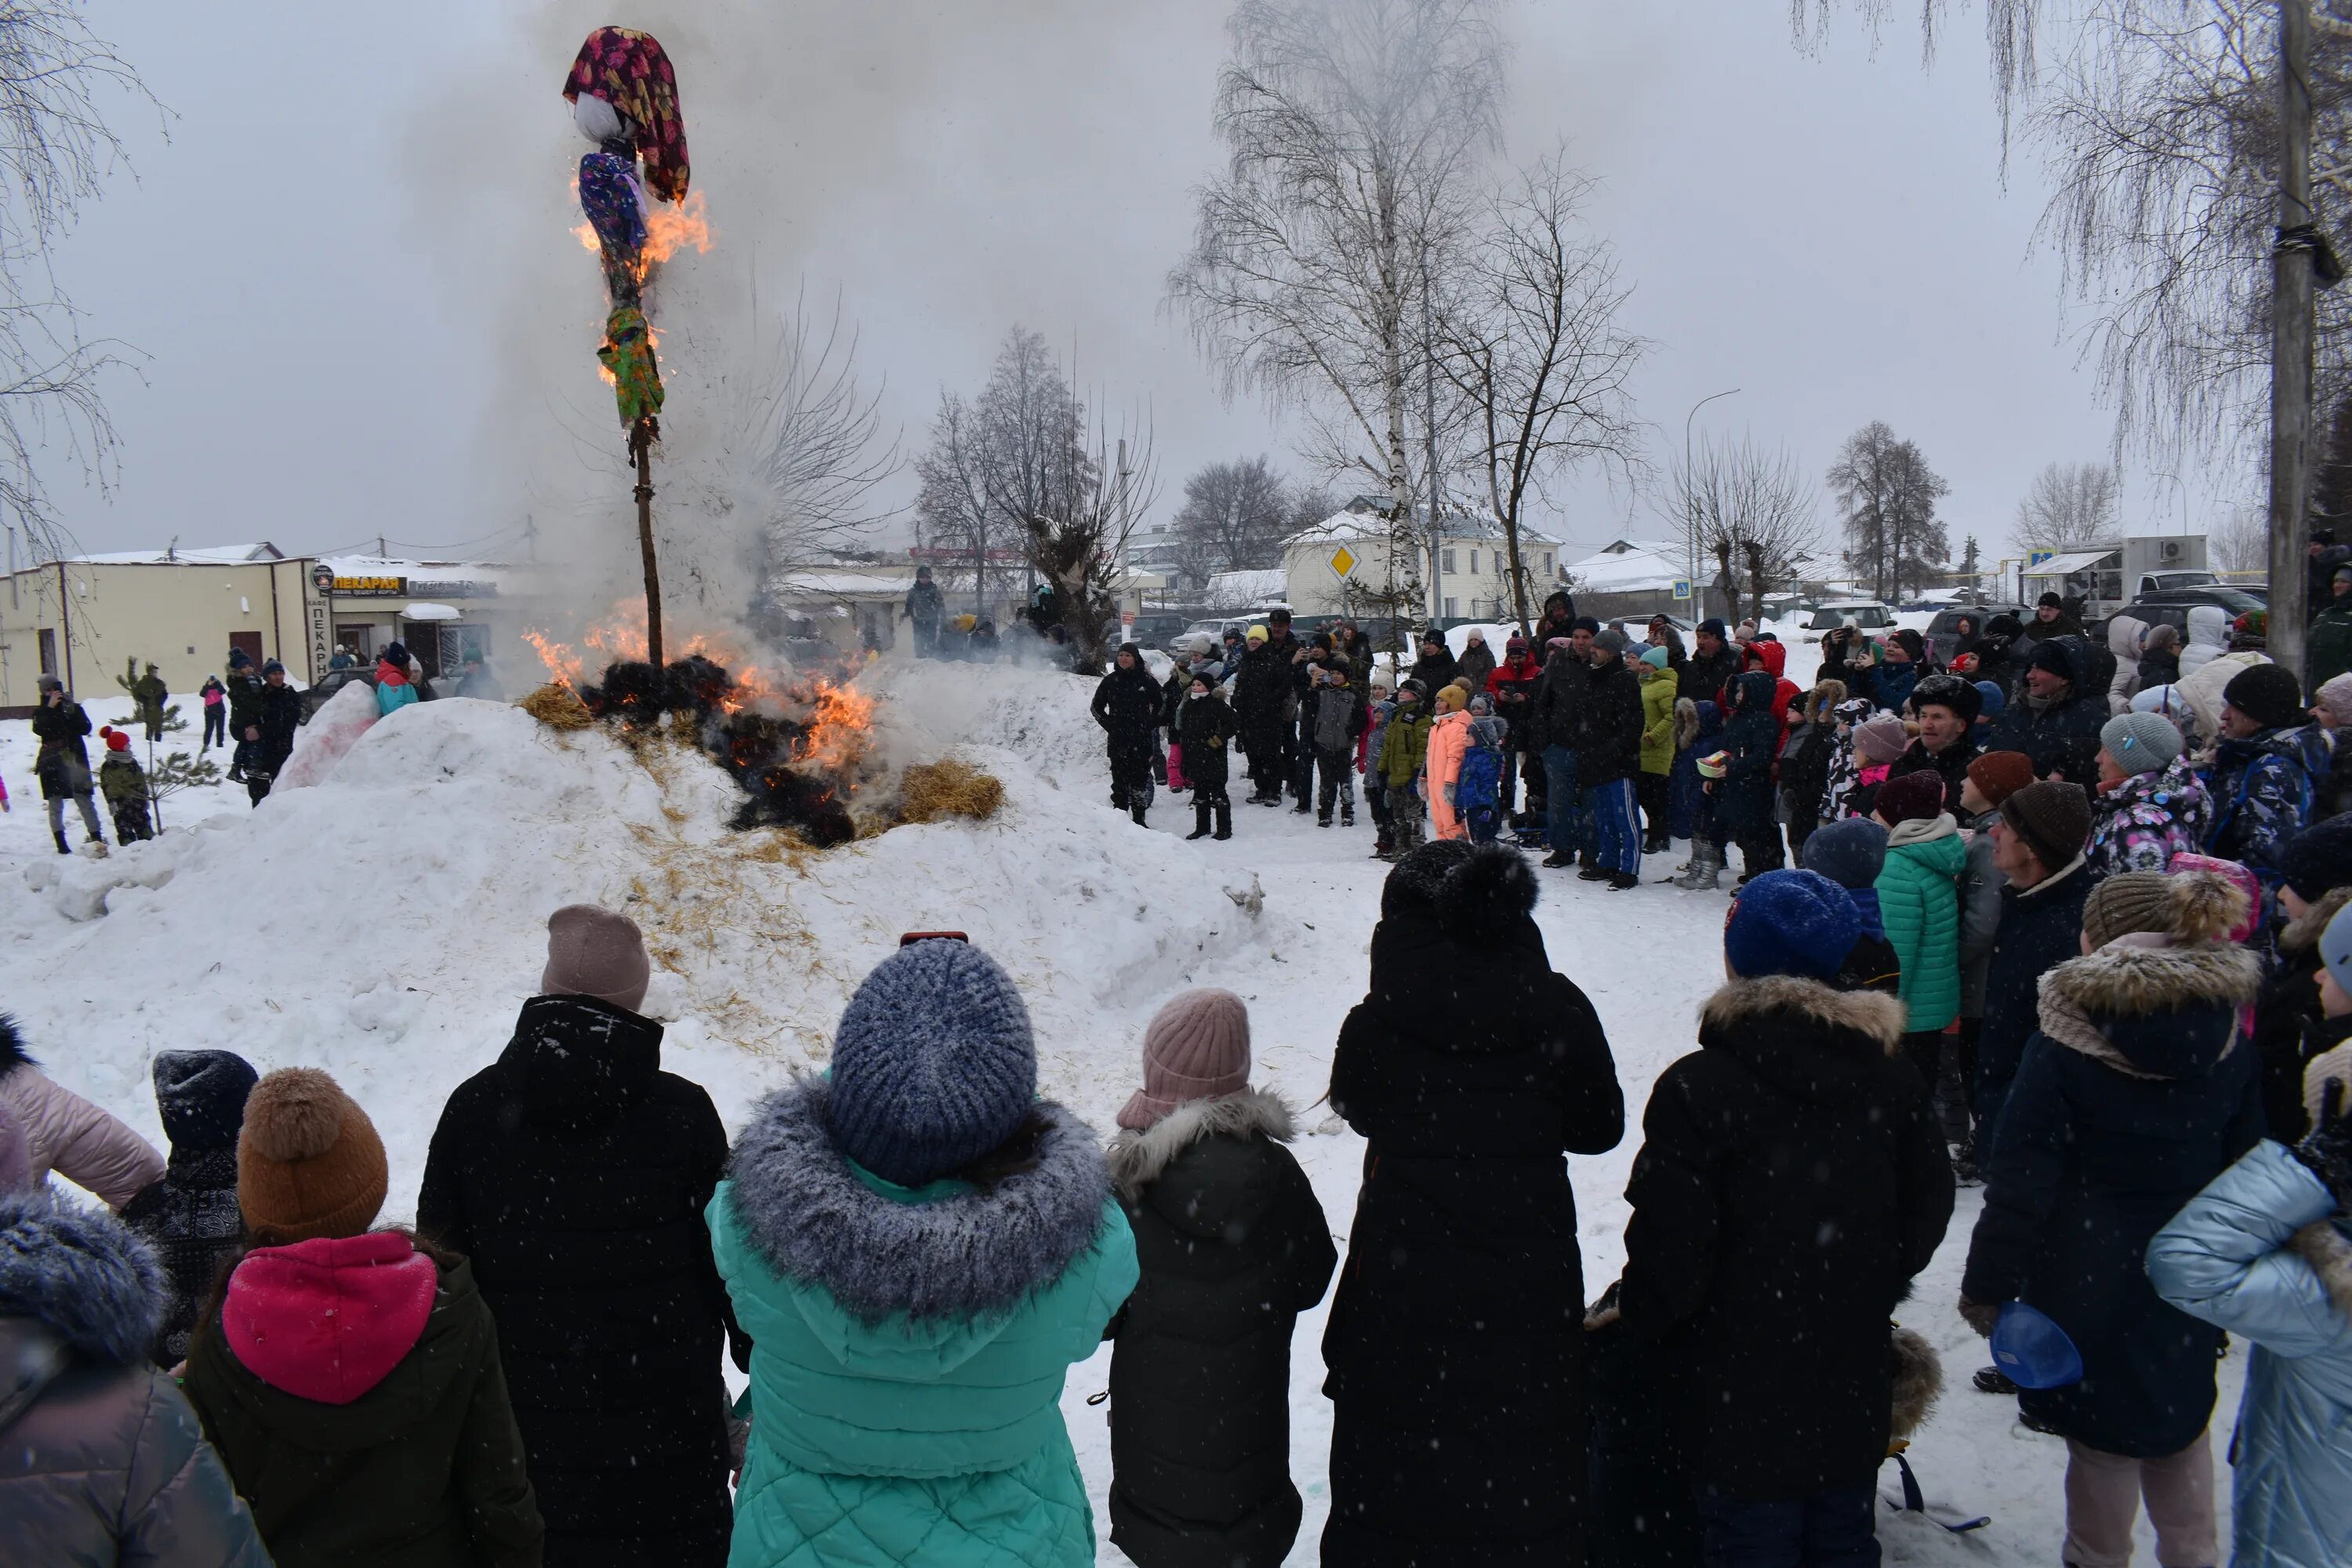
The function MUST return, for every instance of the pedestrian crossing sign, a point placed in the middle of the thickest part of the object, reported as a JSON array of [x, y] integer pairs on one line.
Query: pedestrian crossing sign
[[1343, 560], [1682, 588]]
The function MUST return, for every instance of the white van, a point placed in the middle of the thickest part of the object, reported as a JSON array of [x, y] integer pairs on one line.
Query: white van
[[1869, 614]]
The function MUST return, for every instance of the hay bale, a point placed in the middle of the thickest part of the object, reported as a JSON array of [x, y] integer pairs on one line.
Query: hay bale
[[558, 707], [933, 791]]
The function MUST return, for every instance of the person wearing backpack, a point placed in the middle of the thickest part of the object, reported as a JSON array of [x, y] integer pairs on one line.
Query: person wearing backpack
[[2267, 765], [1232, 1246]]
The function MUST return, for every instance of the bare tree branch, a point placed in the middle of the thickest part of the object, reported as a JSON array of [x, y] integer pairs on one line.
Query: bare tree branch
[[1886, 496], [2068, 506], [1757, 516]]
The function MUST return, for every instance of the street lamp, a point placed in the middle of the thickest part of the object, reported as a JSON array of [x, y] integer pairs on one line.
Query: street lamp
[[1690, 499]]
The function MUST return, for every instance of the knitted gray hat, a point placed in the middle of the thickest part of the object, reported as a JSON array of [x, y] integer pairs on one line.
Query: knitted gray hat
[[933, 1065], [1880, 739], [2141, 742], [1612, 642]]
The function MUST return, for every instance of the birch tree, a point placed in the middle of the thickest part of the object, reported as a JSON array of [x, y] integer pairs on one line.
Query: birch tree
[[1354, 131], [1531, 344]]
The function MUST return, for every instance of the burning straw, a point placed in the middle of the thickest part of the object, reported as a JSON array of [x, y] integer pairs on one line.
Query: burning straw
[[558, 707]]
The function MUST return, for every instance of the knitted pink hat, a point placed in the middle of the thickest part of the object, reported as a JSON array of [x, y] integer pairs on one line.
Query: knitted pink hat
[[592, 952], [1198, 1047]]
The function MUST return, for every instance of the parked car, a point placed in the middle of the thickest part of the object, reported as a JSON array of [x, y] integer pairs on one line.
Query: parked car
[[1943, 633], [1869, 614], [319, 693], [2171, 606]]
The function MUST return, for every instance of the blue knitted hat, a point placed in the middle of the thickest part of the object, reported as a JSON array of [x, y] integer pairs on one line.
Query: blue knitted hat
[[1791, 923], [1850, 853], [933, 1065]]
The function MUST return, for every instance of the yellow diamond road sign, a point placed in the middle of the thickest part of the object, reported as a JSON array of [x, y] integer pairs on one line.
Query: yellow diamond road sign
[[1342, 561]]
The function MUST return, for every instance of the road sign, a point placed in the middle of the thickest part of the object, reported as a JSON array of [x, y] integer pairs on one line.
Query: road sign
[[1343, 560], [2037, 558], [1682, 588], [1127, 617]]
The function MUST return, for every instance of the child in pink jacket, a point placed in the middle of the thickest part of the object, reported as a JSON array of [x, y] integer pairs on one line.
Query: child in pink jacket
[[67, 1134], [1449, 739]]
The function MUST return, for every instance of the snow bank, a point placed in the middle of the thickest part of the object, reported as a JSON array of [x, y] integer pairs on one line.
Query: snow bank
[[329, 737]]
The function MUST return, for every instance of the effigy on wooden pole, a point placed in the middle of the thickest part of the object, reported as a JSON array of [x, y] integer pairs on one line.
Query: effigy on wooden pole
[[623, 97]]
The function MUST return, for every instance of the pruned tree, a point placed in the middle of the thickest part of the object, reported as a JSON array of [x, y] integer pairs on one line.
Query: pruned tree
[[1019, 466], [1887, 496], [1756, 515], [1971, 562], [1531, 342], [2070, 506], [55, 150], [1354, 131], [1234, 518]]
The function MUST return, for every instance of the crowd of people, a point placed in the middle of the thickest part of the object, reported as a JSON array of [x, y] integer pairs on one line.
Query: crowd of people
[[239, 1364]]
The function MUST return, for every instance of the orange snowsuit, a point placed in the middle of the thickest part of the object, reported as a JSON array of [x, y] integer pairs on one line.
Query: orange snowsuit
[[1449, 738]]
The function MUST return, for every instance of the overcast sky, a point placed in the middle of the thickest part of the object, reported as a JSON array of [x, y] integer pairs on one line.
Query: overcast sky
[[321, 267]]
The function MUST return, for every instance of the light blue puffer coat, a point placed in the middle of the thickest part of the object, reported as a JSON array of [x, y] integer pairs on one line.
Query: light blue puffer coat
[[2263, 1252], [909, 1347]]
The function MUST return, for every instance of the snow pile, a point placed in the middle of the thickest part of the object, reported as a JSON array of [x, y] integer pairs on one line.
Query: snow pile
[[329, 737], [385, 923]]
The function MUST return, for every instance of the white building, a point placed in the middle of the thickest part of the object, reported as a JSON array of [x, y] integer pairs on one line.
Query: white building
[[1352, 563]]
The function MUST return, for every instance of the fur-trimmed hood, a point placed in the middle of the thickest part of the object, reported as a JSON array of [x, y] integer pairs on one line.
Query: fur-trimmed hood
[[953, 1254], [1873, 1015], [82, 1274], [2151, 1012], [1822, 702], [1806, 1040], [1919, 1381], [2302, 934], [1135, 1160], [13, 1053], [1686, 722]]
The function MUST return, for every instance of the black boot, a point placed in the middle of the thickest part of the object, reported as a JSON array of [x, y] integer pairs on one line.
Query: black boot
[[1224, 821], [1136, 812], [63, 847], [1347, 814], [1200, 821]]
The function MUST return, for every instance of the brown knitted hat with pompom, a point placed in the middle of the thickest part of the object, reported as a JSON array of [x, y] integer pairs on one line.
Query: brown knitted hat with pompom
[[2198, 907], [309, 1163]]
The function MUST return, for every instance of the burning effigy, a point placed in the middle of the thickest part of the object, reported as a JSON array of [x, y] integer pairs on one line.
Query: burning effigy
[[800, 745]]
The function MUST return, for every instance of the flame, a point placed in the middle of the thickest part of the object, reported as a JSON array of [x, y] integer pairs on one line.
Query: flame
[[563, 666], [669, 228], [841, 731]]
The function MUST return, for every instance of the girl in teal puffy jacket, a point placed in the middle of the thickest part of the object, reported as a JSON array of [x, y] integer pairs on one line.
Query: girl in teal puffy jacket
[[918, 1249]]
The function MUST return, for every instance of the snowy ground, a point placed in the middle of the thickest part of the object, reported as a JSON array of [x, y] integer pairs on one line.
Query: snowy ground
[[385, 925]]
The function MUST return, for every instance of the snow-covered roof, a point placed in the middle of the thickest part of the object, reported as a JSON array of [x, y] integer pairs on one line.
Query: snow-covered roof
[[2075, 561], [1247, 587], [1347, 525], [208, 556], [845, 582], [1629, 567]]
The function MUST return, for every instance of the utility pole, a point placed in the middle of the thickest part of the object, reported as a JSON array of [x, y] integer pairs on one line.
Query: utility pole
[[1690, 497], [2295, 258]]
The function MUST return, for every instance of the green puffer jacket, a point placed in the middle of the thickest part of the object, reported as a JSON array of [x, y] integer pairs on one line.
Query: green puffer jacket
[[1404, 746], [1919, 903], [909, 1347], [1659, 688]]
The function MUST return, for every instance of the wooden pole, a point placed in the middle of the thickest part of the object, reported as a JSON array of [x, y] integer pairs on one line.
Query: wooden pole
[[2293, 260], [641, 444]]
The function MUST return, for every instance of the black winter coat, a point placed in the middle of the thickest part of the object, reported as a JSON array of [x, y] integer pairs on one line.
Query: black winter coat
[[575, 1172], [1434, 670], [2039, 928], [1790, 1185], [1705, 676], [1743, 797], [278, 714], [2063, 738], [2289, 1027], [1455, 1348], [60, 731], [1951, 763], [1556, 710], [1233, 1247], [1608, 733], [1262, 696], [2133, 1093], [1128, 705], [1206, 727]]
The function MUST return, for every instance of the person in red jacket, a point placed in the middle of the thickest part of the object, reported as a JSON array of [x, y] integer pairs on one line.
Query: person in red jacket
[[1510, 684]]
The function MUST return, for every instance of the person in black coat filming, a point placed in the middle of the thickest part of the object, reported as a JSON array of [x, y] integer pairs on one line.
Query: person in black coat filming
[[2133, 1095], [574, 1173], [1206, 726], [1128, 705], [1790, 1183], [1233, 1247], [1455, 1353]]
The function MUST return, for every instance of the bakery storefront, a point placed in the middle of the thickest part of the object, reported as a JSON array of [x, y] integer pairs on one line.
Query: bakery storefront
[[440, 613]]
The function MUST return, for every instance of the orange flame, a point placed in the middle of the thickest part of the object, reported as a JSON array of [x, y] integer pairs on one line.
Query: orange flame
[[669, 228], [842, 730]]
